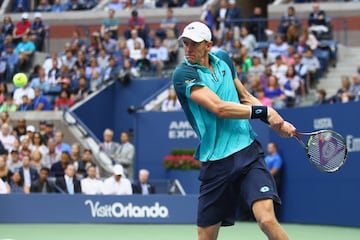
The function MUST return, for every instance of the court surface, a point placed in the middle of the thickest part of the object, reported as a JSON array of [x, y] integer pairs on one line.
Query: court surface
[[246, 231]]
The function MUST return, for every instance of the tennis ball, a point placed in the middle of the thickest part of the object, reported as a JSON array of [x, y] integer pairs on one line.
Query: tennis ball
[[20, 79]]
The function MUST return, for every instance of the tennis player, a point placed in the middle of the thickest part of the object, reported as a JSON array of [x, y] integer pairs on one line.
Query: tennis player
[[218, 108]]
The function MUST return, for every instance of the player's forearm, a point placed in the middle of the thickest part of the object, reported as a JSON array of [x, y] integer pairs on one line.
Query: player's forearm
[[244, 96], [233, 110]]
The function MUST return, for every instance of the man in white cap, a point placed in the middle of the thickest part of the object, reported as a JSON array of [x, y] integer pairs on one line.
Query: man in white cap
[[38, 31], [21, 28], [117, 184], [218, 108]]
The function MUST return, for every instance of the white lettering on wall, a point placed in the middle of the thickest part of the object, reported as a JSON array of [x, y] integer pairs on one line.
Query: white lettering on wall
[[119, 210], [181, 130]]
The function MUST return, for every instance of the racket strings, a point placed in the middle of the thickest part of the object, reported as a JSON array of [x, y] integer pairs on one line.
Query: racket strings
[[327, 151]]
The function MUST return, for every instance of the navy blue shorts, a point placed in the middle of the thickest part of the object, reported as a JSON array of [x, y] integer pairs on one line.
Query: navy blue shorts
[[224, 182]]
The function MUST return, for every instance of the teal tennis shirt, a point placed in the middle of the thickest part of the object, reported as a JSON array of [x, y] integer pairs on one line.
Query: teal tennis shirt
[[219, 137]]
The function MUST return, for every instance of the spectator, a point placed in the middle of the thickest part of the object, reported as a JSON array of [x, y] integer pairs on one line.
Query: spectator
[[287, 20], [4, 187], [58, 6], [21, 91], [17, 184], [7, 27], [35, 161], [82, 92], [5, 173], [50, 61], [68, 182], [355, 87], [26, 104], [274, 92], [130, 43], [20, 6], [43, 6], [75, 5], [279, 47], [49, 131], [313, 65], [138, 23], [38, 145], [75, 154], [274, 163], [12, 59], [158, 57], [61, 145], [63, 101], [85, 162], [28, 174], [58, 168], [110, 24], [20, 127], [25, 49], [102, 59], [68, 59], [171, 103], [207, 17], [291, 85], [247, 39], [317, 21], [14, 163], [168, 23], [108, 145], [220, 18], [116, 5], [6, 138], [51, 156], [320, 97], [21, 28], [108, 43], [91, 185], [257, 25], [257, 69], [279, 69], [40, 102], [143, 186], [309, 39], [112, 71], [42, 185], [125, 153], [266, 57], [3, 67], [260, 94], [117, 184], [233, 15], [343, 94]]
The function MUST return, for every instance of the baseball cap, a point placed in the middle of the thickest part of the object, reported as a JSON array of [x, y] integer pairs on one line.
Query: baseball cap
[[37, 15], [118, 170], [30, 128], [25, 15], [197, 32]]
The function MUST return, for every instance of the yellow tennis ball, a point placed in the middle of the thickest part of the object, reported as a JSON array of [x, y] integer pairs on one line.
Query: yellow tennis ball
[[20, 79]]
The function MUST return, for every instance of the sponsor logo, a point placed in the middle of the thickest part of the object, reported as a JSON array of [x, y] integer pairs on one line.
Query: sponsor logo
[[353, 143], [264, 189], [181, 130], [190, 81], [323, 123], [258, 111], [120, 210]]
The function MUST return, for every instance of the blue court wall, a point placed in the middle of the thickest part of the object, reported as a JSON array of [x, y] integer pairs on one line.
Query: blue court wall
[[108, 109]]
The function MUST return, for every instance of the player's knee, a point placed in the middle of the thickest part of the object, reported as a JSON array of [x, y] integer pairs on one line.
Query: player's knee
[[266, 222]]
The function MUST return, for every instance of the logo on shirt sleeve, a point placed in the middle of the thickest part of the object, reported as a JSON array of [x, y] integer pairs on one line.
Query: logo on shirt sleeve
[[190, 81]]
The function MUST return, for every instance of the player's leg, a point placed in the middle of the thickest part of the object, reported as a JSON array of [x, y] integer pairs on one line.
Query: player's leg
[[208, 233], [265, 216]]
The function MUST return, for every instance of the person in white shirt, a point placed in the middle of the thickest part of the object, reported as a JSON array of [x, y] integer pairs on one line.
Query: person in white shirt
[[6, 138], [20, 92], [158, 56], [4, 188], [117, 184], [91, 185]]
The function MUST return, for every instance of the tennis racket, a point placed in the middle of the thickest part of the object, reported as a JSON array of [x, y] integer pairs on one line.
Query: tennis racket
[[326, 149]]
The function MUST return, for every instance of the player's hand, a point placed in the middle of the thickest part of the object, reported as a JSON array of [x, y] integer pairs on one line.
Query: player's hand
[[287, 130]]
